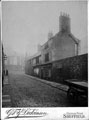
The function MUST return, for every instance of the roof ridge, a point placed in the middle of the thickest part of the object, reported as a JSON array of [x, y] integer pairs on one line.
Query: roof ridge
[[74, 38]]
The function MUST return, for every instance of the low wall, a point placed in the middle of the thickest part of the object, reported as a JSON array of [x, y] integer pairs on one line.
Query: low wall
[[71, 68]]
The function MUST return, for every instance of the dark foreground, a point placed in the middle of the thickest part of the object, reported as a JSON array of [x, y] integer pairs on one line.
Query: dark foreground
[[27, 92]]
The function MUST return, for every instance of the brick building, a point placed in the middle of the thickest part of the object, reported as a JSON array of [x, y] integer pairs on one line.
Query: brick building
[[60, 46]]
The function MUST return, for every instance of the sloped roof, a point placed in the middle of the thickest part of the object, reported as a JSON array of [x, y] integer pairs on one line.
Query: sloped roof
[[74, 38], [35, 55], [69, 34]]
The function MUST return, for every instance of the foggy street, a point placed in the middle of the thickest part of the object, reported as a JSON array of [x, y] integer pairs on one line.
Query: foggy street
[[28, 92], [44, 40], [44, 60]]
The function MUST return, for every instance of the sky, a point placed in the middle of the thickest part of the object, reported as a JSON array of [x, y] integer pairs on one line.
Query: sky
[[27, 24]]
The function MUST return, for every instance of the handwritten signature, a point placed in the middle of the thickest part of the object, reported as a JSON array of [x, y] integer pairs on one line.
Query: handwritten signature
[[24, 113]]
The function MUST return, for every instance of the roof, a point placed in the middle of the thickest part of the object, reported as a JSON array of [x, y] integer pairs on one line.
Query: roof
[[70, 35], [74, 38], [35, 55]]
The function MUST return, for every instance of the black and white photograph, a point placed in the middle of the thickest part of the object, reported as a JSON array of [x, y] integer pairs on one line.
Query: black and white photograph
[[44, 48]]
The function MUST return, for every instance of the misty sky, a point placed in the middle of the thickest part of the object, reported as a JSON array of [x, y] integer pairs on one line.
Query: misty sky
[[26, 24]]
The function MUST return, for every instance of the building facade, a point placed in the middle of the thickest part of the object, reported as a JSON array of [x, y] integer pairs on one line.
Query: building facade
[[15, 62], [60, 46]]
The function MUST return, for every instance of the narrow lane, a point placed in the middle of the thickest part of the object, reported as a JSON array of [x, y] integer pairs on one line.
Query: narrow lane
[[28, 92]]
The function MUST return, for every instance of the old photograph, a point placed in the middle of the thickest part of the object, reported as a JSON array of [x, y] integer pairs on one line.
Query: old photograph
[[44, 54]]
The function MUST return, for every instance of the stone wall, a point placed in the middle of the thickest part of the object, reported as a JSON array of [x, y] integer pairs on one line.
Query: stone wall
[[71, 68]]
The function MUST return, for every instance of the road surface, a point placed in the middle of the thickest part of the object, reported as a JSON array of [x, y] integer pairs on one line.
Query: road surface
[[28, 92]]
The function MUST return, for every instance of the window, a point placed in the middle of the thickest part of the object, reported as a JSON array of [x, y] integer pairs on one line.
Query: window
[[36, 71], [34, 61], [46, 57], [76, 49], [37, 60], [46, 46]]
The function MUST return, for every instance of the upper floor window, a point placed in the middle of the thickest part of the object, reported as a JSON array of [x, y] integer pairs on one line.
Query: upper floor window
[[37, 60], [76, 49], [46, 57], [46, 46]]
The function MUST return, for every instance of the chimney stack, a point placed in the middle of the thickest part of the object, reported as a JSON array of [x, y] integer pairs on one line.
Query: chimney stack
[[64, 23]]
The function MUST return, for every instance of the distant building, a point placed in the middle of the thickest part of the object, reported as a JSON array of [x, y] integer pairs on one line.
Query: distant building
[[62, 45], [15, 62]]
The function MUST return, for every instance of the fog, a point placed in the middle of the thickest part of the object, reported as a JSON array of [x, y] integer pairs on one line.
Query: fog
[[26, 24]]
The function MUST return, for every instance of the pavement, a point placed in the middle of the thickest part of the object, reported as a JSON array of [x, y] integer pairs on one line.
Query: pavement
[[6, 100], [53, 84]]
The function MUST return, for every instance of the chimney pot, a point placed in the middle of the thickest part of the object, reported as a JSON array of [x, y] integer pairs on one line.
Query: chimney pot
[[64, 22]]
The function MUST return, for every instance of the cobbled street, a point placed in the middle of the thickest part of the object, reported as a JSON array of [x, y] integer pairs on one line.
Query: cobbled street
[[28, 92]]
